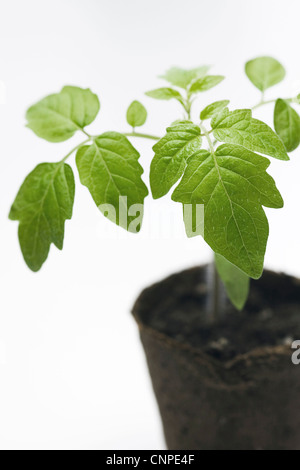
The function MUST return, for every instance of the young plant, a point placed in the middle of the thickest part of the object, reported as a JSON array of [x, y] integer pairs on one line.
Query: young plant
[[228, 182]]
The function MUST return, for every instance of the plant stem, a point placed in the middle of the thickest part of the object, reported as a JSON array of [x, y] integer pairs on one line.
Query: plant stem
[[188, 108], [129, 134], [211, 145], [144, 136], [263, 102], [86, 133], [215, 303], [75, 148]]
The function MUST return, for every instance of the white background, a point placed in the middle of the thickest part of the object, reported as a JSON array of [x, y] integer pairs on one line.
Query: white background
[[72, 371]]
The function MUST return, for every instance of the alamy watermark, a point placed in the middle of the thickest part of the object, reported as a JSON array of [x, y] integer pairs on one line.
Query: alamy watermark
[[296, 354], [158, 224]]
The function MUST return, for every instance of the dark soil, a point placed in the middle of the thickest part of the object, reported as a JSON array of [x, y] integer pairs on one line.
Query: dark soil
[[178, 308], [224, 385]]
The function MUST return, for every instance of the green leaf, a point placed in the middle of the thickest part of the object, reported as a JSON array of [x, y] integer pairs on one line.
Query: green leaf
[[57, 117], [287, 124], [264, 72], [205, 83], [183, 77], [213, 109], [109, 168], [239, 127], [136, 114], [233, 185], [44, 201], [235, 281], [164, 94], [171, 153]]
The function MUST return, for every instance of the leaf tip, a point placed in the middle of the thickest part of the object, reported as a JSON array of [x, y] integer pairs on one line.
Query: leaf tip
[[11, 214]]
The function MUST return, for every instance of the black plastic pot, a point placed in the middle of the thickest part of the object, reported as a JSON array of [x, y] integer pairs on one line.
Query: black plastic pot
[[244, 397]]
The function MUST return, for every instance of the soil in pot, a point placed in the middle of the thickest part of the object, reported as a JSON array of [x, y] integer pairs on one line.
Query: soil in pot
[[231, 385]]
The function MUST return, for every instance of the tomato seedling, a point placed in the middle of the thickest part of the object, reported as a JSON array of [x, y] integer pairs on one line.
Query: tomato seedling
[[218, 161]]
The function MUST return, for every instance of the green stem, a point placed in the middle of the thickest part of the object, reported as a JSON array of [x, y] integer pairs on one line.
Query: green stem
[[211, 146], [263, 102], [207, 132], [188, 107], [129, 134], [144, 136], [216, 295], [188, 110], [86, 133], [75, 148]]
